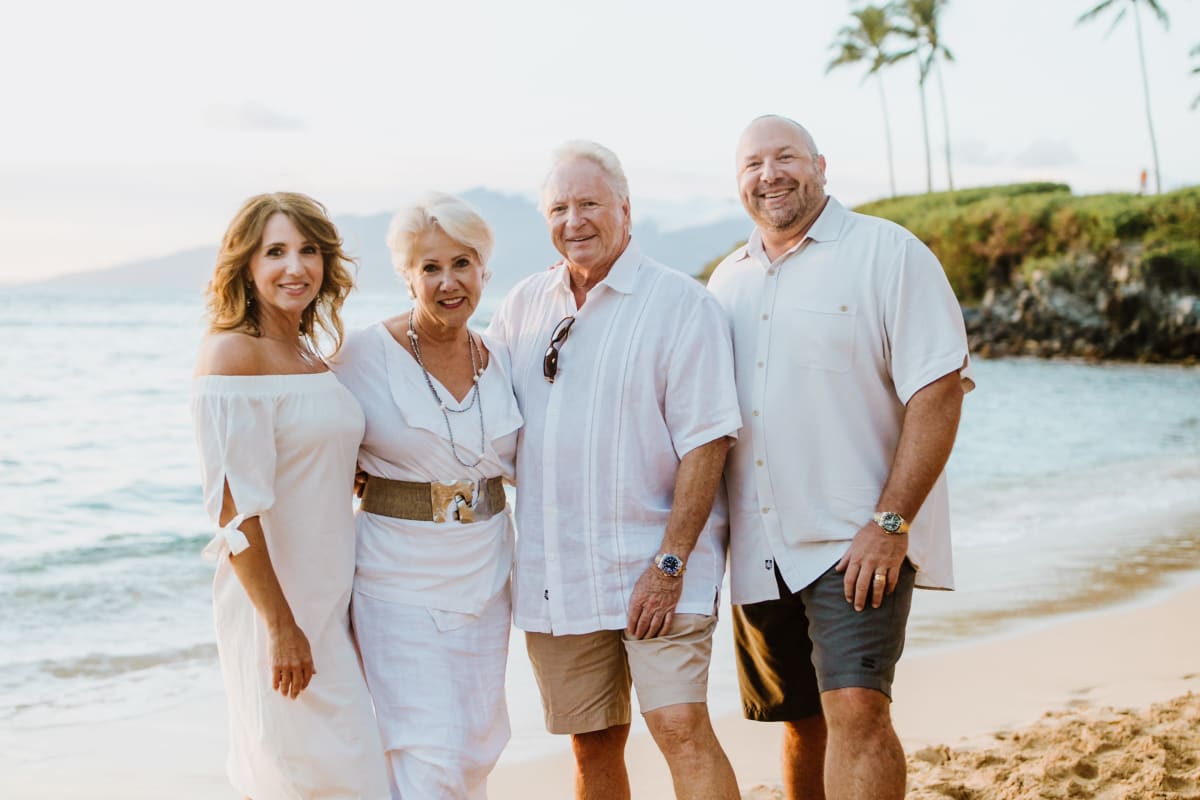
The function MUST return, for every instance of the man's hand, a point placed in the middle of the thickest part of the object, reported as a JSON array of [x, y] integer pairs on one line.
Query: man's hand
[[872, 552], [652, 605]]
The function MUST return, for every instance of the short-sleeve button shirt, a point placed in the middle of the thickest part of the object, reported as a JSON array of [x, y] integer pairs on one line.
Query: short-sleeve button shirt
[[645, 376], [830, 342]]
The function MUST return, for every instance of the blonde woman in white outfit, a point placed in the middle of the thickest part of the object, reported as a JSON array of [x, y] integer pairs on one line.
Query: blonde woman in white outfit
[[278, 437], [435, 536]]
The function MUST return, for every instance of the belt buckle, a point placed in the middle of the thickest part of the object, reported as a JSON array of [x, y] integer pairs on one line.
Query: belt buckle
[[452, 500]]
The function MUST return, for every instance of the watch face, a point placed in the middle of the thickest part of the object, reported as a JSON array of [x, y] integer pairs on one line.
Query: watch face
[[891, 522], [670, 565]]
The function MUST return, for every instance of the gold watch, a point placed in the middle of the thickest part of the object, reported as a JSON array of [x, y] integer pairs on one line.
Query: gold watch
[[892, 523]]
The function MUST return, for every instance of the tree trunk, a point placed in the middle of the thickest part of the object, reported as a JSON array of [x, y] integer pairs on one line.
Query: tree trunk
[[945, 125], [887, 132], [925, 130], [1137, 19]]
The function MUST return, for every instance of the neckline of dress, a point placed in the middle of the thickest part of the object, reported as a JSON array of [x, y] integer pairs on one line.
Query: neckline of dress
[[415, 369]]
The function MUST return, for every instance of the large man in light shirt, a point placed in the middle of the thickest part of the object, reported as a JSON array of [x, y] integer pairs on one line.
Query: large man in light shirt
[[624, 374], [851, 361]]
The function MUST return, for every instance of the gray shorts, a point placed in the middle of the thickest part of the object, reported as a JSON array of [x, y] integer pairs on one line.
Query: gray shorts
[[792, 649]]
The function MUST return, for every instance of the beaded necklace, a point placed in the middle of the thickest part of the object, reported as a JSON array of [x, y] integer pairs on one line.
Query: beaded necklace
[[476, 401]]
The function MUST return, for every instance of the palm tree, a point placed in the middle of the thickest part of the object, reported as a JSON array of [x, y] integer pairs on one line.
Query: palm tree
[[927, 48], [864, 41], [1125, 5]]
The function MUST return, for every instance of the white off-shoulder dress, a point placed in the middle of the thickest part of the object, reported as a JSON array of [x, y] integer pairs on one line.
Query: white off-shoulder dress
[[287, 445], [431, 600]]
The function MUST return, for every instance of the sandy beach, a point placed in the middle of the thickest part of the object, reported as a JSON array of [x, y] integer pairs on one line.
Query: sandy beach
[[1065, 710]]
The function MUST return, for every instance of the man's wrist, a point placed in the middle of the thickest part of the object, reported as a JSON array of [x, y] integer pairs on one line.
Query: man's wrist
[[670, 565], [891, 523]]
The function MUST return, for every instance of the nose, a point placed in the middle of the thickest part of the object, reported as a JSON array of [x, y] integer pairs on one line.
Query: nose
[[574, 217], [292, 264], [769, 171]]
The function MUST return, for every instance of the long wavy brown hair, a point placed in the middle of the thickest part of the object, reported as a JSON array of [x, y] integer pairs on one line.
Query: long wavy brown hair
[[231, 305]]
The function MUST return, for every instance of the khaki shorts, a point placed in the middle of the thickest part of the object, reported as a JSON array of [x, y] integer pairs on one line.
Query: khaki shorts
[[585, 678]]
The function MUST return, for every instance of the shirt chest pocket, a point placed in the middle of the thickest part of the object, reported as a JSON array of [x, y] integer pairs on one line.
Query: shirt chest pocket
[[818, 336]]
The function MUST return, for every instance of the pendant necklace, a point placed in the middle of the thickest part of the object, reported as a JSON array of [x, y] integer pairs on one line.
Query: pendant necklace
[[476, 374]]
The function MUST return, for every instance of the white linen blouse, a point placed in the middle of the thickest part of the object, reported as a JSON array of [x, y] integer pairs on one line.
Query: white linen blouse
[[447, 566]]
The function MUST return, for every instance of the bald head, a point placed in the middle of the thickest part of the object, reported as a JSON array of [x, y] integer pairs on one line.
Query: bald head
[[782, 127]]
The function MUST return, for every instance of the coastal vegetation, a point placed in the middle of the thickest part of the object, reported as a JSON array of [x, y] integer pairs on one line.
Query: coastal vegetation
[[867, 38]]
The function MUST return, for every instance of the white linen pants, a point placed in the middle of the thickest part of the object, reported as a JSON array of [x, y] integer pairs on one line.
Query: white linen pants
[[437, 681]]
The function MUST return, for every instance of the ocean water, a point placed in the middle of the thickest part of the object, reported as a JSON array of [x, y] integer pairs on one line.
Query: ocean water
[[1074, 486]]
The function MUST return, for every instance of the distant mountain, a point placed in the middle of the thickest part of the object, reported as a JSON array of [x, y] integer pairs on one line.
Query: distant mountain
[[522, 247]]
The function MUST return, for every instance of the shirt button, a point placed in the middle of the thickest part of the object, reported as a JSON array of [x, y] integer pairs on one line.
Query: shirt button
[[759, 462], [766, 509], [756, 413], [770, 272], [760, 365], [766, 316], [844, 308]]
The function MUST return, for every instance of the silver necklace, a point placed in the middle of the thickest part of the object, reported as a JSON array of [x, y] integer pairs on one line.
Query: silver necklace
[[476, 401]]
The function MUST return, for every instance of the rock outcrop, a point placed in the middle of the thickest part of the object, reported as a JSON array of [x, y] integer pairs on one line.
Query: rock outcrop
[[1127, 304]]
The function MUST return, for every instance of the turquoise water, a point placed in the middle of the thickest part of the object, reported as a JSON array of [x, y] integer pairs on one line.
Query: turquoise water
[[1073, 486]]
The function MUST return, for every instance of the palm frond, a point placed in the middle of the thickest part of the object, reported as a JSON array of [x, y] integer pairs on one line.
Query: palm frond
[[1159, 12], [1088, 16], [1116, 21]]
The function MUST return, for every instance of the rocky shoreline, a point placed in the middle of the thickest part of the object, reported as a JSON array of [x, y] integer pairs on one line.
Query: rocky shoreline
[[1115, 306]]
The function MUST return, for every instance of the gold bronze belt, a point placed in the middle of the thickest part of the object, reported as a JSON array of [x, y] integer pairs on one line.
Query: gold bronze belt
[[439, 501]]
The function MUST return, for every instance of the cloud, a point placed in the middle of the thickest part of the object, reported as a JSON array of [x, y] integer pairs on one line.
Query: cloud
[[977, 153], [1043, 153], [252, 117]]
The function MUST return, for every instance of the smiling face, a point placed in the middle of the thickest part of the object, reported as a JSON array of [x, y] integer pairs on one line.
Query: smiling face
[[781, 178], [446, 278], [287, 268], [588, 220]]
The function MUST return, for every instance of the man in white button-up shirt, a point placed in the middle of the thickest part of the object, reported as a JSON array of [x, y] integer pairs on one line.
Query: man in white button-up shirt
[[851, 360], [623, 370]]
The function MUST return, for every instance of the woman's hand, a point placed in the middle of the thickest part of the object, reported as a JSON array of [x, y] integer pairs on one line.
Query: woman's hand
[[291, 660]]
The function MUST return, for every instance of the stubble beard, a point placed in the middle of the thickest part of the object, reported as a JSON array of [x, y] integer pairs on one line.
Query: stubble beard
[[779, 220]]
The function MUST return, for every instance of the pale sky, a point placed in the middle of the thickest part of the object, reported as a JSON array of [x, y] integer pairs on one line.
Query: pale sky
[[134, 128]]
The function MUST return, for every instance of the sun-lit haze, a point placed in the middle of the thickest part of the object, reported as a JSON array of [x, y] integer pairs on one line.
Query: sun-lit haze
[[132, 129]]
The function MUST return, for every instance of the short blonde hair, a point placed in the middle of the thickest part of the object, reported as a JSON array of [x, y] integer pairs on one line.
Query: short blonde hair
[[457, 218], [228, 293], [587, 150]]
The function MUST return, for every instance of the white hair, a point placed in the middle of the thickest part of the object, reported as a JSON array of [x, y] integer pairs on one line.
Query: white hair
[[599, 155], [457, 218]]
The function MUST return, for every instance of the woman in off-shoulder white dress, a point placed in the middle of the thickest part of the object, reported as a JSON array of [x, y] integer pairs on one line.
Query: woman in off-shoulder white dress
[[278, 436]]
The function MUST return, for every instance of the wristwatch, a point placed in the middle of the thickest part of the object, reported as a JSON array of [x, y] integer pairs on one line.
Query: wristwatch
[[892, 523], [669, 564]]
